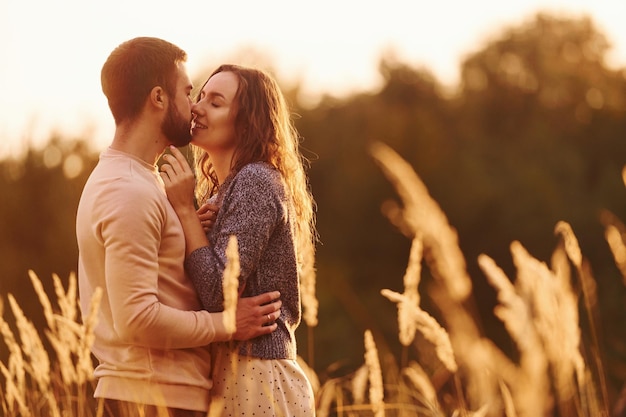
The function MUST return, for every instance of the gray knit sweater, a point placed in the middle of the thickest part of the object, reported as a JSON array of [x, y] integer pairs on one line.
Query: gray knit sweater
[[254, 208]]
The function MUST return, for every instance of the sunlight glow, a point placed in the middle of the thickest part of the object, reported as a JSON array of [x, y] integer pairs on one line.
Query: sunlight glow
[[49, 77]]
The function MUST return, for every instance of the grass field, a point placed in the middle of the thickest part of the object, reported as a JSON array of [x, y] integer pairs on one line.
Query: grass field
[[556, 371]]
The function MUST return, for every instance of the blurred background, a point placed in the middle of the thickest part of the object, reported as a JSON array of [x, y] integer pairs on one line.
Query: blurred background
[[514, 116]]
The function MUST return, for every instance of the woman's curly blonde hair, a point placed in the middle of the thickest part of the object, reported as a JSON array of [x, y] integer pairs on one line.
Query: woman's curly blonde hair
[[265, 133]]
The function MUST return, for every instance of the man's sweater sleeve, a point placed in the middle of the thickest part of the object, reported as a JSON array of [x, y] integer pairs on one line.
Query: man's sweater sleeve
[[131, 233]]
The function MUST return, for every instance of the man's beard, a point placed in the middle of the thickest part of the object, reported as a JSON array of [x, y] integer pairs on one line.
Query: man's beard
[[176, 128]]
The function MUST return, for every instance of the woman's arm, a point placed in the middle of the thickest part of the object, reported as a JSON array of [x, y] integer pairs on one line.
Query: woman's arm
[[251, 207], [179, 183]]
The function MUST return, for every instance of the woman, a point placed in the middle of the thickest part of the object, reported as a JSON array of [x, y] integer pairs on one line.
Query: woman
[[251, 174]]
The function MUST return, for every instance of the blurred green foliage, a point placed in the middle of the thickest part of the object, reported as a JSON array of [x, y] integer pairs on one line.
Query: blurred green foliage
[[534, 134]]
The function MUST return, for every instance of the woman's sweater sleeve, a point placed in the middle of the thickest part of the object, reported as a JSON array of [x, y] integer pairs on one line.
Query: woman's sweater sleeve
[[251, 207]]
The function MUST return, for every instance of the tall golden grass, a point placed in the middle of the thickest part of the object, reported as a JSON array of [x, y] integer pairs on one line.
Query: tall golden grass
[[34, 383], [556, 372]]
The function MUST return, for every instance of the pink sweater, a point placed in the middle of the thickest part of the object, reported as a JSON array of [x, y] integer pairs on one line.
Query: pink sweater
[[152, 333]]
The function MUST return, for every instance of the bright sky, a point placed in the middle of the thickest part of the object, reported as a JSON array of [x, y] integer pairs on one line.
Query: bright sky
[[52, 51]]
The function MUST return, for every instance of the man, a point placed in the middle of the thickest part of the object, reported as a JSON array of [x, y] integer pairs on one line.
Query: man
[[151, 336]]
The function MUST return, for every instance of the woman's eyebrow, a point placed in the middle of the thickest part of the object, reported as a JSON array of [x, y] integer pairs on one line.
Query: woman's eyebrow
[[216, 94]]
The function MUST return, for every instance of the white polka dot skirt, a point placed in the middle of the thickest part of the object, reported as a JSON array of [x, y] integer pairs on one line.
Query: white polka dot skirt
[[251, 387]]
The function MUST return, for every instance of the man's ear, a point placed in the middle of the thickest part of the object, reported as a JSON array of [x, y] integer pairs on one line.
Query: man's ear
[[157, 97]]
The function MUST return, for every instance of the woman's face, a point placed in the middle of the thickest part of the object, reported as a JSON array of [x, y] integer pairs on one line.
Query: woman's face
[[213, 127]]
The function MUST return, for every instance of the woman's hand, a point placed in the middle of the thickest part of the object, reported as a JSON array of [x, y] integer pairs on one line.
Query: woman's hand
[[207, 215], [179, 185], [179, 181]]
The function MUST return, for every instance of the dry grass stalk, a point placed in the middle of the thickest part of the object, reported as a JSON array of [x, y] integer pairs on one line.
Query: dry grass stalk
[[617, 244], [590, 297], [13, 401], [509, 406], [14, 375], [560, 264], [60, 333], [481, 412], [84, 364], [33, 387], [310, 304], [328, 393], [67, 300], [37, 363], [43, 299], [359, 385], [231, 285], [376, 391], [513, 311], [528, 383], [406, 323], [422, 215], [427, 326], [588, 283], [571, 243], [554, 307], [420, 381]]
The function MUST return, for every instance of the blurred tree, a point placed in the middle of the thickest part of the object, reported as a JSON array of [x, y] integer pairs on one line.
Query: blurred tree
[[534, 135], [360, 252], [541, 121]]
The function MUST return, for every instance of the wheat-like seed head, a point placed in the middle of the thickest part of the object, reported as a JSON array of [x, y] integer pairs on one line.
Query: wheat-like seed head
[[424, 216], [52, 404], [507, 399], [14, 393], [376, 391], [615, 240], [64, 358], [572, 248], [16, 359], [38, 364], [529, 384], [410, 297], [555, 315], [428, 326], [15, 373], [359, 384], [406, 324], [420, 380], [513, 311], [414, 270], [328, 393], [67, 300], [438, 336], [560, 264], [43, 299], [84, 364], [231, 285], [411, 280], [310, 304]]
